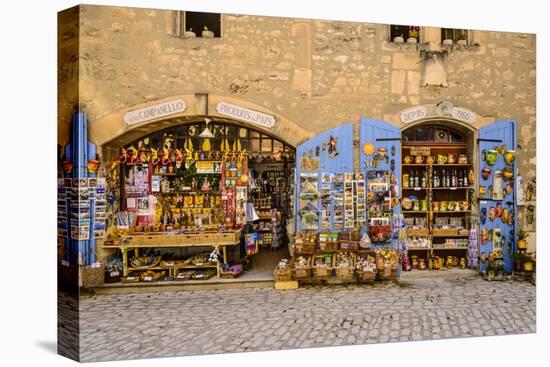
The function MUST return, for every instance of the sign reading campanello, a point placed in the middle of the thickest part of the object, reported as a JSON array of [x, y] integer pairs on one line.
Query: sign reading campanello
[[155, 111], [244, 114]]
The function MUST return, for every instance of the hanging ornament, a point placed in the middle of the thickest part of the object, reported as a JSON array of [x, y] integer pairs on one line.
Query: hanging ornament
[[393, 150], [368, 148]]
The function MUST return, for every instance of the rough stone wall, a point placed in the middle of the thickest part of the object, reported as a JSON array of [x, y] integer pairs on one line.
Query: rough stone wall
[[316, 73]]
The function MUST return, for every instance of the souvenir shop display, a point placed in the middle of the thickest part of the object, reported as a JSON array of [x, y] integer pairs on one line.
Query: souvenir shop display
[[322, 266], [365, 267]]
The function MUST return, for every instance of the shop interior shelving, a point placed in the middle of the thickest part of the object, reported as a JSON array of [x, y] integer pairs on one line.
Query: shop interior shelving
[[433, 194]]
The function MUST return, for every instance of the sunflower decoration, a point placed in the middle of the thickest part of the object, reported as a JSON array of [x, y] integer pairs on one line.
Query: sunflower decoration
[[368, 148]]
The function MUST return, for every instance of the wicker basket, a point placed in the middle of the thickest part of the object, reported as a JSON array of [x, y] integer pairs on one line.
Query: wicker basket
[[229, 274], [328, 246], [321, 272], [304, 248], [92, 276], [412, 232], [302, 272], [445, 231], [344, 272], [365, 276], [206, 275], [282, 275], [349, 246]]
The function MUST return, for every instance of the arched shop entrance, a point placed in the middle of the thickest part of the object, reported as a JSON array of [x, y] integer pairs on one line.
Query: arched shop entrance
[[438, 192], [187, 192]]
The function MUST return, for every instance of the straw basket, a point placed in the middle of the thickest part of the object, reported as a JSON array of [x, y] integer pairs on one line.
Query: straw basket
[[321, 272], [365, 276], [304, 248], [283, 275], [92, 276], [328, 246], [344, 272]]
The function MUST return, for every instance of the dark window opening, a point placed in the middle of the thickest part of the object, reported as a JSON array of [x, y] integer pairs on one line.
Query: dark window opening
[[454, 34], [405, 31], [433, 134], [198, 22]]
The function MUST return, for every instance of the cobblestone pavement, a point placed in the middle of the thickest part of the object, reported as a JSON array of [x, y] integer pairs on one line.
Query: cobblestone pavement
[[130, 326]]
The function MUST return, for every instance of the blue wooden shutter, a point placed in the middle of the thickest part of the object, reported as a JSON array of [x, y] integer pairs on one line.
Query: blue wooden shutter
[[497, 134], [383, 135], [342, 162]]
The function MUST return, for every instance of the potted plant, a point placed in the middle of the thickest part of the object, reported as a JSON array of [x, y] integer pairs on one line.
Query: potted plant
[[522, 237], [461, 40], [499, 270], [490, 271], [398, 39], [413, 36], [518, 260], [529, 264], [448, 37]]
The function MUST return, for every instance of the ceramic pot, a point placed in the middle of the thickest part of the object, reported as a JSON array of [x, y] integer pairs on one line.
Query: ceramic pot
[[507, 173], [462, 264], [462, 159], [522, 245], [491, 157], [481, 190], [448, 42], [408, 159], [405, 180], [424, 206], [382, 153], [93, 165], [528, 266], [398, 40], [510, 156], [508, 188], [451, 205], [412, 40], [451, 158], [464, 205], [441, 159], [498, 210], [449, 262], [504, 215], [485, 173], [416, 205], [67, 166], [419, 159], [443, 206], [492, 213], [421, 264], [435, 206], [430, 159]]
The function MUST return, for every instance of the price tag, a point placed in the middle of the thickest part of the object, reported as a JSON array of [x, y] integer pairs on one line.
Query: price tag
[[147, 279], [417, 189], [130, 278], [483, 202], [115, 274], [452, 188]]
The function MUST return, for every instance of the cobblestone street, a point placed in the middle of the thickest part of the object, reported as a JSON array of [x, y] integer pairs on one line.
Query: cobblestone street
[[130, 326]]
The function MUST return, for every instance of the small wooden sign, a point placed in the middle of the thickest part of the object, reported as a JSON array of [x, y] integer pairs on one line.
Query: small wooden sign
[[420, 151]]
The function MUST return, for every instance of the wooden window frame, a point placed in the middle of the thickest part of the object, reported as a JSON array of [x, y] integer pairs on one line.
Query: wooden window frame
[[179, 25]]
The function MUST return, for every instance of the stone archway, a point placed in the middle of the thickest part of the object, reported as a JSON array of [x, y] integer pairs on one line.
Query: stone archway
[[112, 131]]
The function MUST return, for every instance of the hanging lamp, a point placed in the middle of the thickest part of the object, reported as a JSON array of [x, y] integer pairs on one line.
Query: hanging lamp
[[206, 133]]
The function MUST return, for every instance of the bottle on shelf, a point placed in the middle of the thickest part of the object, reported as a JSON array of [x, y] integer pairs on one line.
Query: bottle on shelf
[[465, 178], [460, 179], [424, 179], [436, 179], [411, 180], [453, 179], [443, 179], [416, 180]]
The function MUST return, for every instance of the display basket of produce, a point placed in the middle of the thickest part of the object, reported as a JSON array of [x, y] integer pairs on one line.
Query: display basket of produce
[[345, 266], [92, 275], [354, 236], [152, 276], [346, 245], [387, 263], [168, 264], [322, 267], [380, 233], [328, 246], [203, 274], [202, 259], [184, 275], [283, 271], [301, 267], [144, 262], [445, 231], [413, 232], [365, 268], [304, 248], [232, 271]]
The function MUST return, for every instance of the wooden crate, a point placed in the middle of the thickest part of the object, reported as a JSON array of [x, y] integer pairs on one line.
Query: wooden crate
[[188, 239], [445, 232], [207, 238], [345, 272], [291, 284], [304, 248], [328, 246], [411, 232], [151, 240], [132, 240]]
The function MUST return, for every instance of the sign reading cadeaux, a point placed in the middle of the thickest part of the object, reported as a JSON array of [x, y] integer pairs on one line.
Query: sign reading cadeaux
[[155, 111], [245, 114]]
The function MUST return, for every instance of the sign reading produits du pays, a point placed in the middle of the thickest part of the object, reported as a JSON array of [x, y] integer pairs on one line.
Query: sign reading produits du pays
[[245, 114], [155, 111]]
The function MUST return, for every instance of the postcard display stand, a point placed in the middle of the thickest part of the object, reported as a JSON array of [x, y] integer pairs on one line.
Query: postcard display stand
[[81, 199], [380, 159], [497, 194], [326, 183]]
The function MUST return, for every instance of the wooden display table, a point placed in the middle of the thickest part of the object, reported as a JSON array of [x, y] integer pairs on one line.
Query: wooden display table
[[136, 241]]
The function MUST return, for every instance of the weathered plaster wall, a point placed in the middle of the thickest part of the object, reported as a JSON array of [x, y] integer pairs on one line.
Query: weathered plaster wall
[[315, 74]]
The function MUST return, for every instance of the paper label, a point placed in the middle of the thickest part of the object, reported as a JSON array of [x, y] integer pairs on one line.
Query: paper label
[[147, 279]]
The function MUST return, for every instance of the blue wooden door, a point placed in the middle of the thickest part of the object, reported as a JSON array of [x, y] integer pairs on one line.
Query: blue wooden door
[[329, 152], [383, 135], [500, 136]]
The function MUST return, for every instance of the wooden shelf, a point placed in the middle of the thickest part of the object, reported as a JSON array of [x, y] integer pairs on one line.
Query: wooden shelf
[[411, 144], [435, 165], [452, 211], [414, 211], [449, 248]]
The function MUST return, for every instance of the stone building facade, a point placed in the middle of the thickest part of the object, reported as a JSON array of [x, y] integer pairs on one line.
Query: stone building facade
[[311, 74]]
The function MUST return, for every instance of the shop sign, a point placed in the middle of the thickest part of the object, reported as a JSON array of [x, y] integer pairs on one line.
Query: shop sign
[[155, 111], [413, 114], [420, 151], [245, 114], [463, 115]]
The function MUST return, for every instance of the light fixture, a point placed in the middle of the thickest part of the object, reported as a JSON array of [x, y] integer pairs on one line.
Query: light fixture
[[206, 133]]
